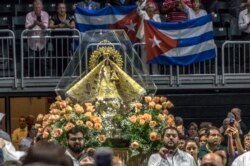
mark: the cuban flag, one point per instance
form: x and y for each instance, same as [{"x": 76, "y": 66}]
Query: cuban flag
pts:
[
  {"x": 180, "y": 43},
  {"x": 111, "y": 17}
]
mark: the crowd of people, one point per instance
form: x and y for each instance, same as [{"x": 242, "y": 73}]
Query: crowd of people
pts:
[{"x": 192, "y": 145}]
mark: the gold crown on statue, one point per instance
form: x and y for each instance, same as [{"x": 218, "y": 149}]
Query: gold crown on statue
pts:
[{"x": 105, "y": 52}]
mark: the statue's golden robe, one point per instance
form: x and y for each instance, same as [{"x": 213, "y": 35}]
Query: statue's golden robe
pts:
[{"x": 106, "y": 81}]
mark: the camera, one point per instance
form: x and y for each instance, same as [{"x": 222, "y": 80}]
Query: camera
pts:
[{"x": 231, "y": 122}]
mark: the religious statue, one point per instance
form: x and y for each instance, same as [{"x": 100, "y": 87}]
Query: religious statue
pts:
[{"x": 107, "y": 85}]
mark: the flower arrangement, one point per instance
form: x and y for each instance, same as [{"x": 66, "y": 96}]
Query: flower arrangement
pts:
[
  {"x": 146, "y": 122},
  {"x": 64, "y": 115}
]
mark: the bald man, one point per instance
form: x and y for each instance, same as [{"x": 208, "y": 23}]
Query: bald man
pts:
[{"x": 211, "y": 159}]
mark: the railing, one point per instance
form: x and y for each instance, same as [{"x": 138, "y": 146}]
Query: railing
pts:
[
  {"x": 43, "y": 68},
  {"x": 8, "y": 75},
  {"x": 45, "y": 54}
]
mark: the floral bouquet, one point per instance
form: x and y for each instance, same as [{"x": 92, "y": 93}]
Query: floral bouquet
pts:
[
  {"x": 146, "y": 122},
  {"x": 64, "y": 115}
]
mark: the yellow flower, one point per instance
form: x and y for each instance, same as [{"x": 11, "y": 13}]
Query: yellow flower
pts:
[
  {"x": 132, "y": 119},
  {"x": 139, "y": 117},
  {"x": 68, "y": 117},
  {"x": 141, "y": 122},
  {"x": 98, "y": 126},
  {"x": 169, "y": 104},
  {"x": 134, "y": 145},
  {"x": 57, "y": 132},
  {"x": 148, "y": 99},
  {"x": 153, "y": 136},
  {"x": 69, "y": 126},
  {"x": 152, "y": 124},
  {"x": 89, "y": 124},
  {"x": 102, "y": 138},
  {"x": 158, "y": 107},
  {"x": 88, "y": 104},
  {"x": 69, "y": 109},
  {"x": 79, "y": 122},
  {"x": 62, "y": 104},
  {"x": 156, "y": 99},
  {"x": 97, "y": 119},
  {"x": 55, "y": 111},
  {"x": 88, "y": 114},
  {"x": 138, "y": 106},
  {"x": 151, "y": 105},
  {"x": 161, "y": 117}
]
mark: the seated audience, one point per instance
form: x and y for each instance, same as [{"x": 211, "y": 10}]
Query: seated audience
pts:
[
  {"x": 195, "y": 11},
  {"x": 19, "y": 133},
  {"x": 211, "y": 159}
]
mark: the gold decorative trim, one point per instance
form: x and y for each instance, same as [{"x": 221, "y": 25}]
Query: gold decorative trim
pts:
[{"x": 103, "y": 52}]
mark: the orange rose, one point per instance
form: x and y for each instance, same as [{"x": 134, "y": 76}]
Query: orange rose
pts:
[
  {"x": 153, "y": 136},
  {"x": 165, "y": 111},
  {"x": 139, "y": 117},
  {"x": 90, "y": 108},
  {"x": 134, "y": 145},
  {"x": 98, "y": 126},
  {"x": 141, "y": 122},
  {"x": 58, "y": 98},
  {"x": 163, "y": 99},
  {"x": 151, "y": 105},
  {"x": 79, "y": 122},
  {"x": 169, "y": 104},
  {"x": 39, "y": 118},
  {"x": 89, "y": 124},
  {"x": 62, "y": 104},
  {"x": 161, "y": 117},
  {"x": 138, "y": 106},
  {"x": 147, "y": 117},
  {"x": 45, "y": 134},
  {"x": 55, "y": 111},
  {"x": 68, "y": 117},
  {"x": 102, "y": 138},
  {"x": 78, "y": 109},
  {"x": 158, "y": 107},
  {"x": 156, "y": 99},
  {"x": 164, "y": 105},
  {"x": 97, "y": 119},
  {"x": 57, "y": 132},
  {"x": 69, "y": 126},
  {"x": 152, "y": 124},
  {"x": 132, "y": 119},
  {"x": 148, "y": 99}
]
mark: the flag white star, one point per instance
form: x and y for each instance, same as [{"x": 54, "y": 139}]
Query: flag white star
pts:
[
  {"x": 155, "y": 42},
  {"x": 131, "y": 26}
]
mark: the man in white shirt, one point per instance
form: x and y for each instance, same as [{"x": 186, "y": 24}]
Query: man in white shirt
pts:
[
  {"x": 242, "y": 160},
  {"x": 170, "y": 154},
  {"x": 244, "y": 20}
]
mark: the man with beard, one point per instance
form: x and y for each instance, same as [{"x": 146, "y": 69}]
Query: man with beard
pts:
[
  {"x": 213, "y": 142},
  {"x": 170, "y": 154},
  {"x": 75, "y": 141}
]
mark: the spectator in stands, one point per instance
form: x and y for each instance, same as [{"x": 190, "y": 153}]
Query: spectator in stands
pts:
[
  {"x": 119, "y": 2},
  {"x": 89, "y": 4},
  {"x": 195, "y": 11},
  {"x": 192, "y": 148},
  {"x": 222, "y": 152},
  {"x": 174, "y": 11},
  {"x": 47, "y": 153},
  {"x": 4, "y": 135},
  {"x": 211, "y": 159},
  {"x": 237, "y": 112},
  {"x": 213, "y": 141},
  {"x": 202, "y": 139},
  {"x": 61, "y": 47},
  {"x": 9, "y": 151},
  {"x": 242, "y": 160},
  {"x": 244, "y": 22},
  {"x": 170, "y": 154},
  {"x": 247, "y": 142},
  {"x": 180, "y": 126},
  {"x": 142, "y": 4},
  {"x": 75, "y": 141},
  {"x": 181, "y": 144},
  {"x": 30, "y": 120},
  {"x": 37, "y": 20},
  {"x": 29, "y": 140},
  {"x": 20, "y": 133},
  {"x": 147, "y": 14},
  {"x": 192, "y": 131}
]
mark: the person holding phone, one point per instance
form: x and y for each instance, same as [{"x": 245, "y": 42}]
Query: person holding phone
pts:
[{"x": 36, "y": 20}]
